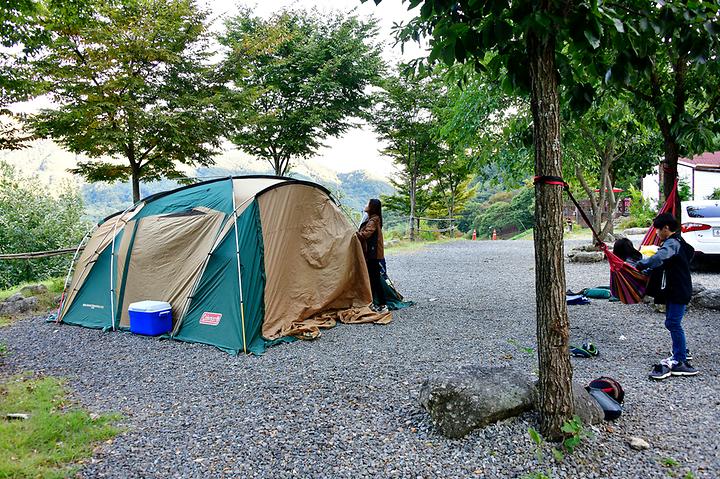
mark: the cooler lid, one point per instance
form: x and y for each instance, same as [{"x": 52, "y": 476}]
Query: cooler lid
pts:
[{"x": 149, "y": 306}]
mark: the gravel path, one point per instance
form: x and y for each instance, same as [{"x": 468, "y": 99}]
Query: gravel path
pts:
[{"x": 346, "y": 404}]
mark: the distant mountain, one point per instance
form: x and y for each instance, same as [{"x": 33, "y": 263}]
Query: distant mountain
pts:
[{"x": 50, "y": 163}]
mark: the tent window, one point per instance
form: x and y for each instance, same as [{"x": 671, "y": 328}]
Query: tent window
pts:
[{"x": 179, "y": 214}]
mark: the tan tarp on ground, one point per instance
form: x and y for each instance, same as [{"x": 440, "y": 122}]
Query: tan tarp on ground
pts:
[
  {"x": 313, "y": 262},
  {"x": 167, "y": 256},
  {"x": 100, "y": 239}
]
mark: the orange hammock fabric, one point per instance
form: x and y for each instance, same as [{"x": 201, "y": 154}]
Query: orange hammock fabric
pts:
[
  {"x": 651, "y": 236},
  {"x": 626, "y": 282}
]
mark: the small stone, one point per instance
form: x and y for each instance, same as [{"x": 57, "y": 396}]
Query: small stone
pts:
[{"x": 638, "y": 444}]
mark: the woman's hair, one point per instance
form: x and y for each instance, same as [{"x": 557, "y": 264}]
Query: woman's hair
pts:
[
  {"x": 625, "y": 250},
  {"x": 375, "y": 208}
]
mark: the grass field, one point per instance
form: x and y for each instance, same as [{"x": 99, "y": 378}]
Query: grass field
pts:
[{"x": 57, "y": 435}]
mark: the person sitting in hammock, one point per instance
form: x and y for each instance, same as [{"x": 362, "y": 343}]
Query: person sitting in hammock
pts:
[{"x": 625, "y": 250}]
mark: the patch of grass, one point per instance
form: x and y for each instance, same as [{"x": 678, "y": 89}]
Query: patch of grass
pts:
[
  {"x": 45, "y": 301},
  {"x": 54, "y": 286},
  {"x": 525, "y": 235},
  {"x": 57, "y": 435},
  {"x": 670, "y": 462},
  {"x": 576, "y": 234},
  {"x": 407, "y": 246},
  {"x": 3, "y": 350}
]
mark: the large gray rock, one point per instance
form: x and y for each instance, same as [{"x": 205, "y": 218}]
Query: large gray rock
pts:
[
  {"x": 698, "y": 288},
  {"x": 475, "y": 396},
  {"x": 708, "y": 298},
  {"x": 17, "y": 304},
  {"x": 586, "y": 256},
  {"x": 635, "y": 231},
  {"x": 586, "y": 407},
  {"x": 586, "y": 248},
  {"x": 15, "y": 297},
  {"x": 34, "y": 289}
]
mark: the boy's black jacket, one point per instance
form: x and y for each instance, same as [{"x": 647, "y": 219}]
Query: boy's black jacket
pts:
[{"x": 677, "y": 285}]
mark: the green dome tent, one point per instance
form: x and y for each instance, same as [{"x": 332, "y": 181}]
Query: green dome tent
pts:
[{"x": 243, "y": 261}]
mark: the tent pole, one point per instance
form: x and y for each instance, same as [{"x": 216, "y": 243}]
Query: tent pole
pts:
[
  {"x": 112, "y": 264},
  {"x": 70, "y": 270},
  {"x": 237, "y": 255}
]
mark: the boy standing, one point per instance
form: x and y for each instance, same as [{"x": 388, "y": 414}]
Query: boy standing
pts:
[{"x": 672, "y": 269}]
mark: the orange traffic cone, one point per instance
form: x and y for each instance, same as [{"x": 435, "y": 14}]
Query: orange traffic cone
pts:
[
  {"x": 474, "y": 235},
  {"x": 494, "y": 234}
]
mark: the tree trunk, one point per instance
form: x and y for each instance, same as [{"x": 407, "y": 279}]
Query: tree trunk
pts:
[
  {"x": 413, "y": 188},
  {"x": 136, "y": 184},
  {"x": 134, "y": 172},
  {"x": 555, "y": 401}
]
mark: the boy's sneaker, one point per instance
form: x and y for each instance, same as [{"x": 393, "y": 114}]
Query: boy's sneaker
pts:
[
  {"x": 688, "y": 356},
  {"x": 683, "y": 369},
  {"x": 660, "y": 371},
  {"x": 669, "y": 362}
]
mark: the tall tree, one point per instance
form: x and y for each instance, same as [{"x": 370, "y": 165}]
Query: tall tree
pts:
[
  {"x": 667, "y": 56},
  {"x": 307, "y": 75},
  {"x": 530, "y": 42},
  {"x": 21, "y": 36},
  {"x": 403, "y": 118},
  {"x": 601, "y": 145},
  {"x": 451, "y": 178},
  {"x": 131, "y": 81}
]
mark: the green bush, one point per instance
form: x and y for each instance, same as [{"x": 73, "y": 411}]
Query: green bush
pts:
[
  {"x": 33, "y": 219},
  {"x": 715, "y": 194},
  {"x": 518, "y": 211},
  {"x": 641, "y": 213}
]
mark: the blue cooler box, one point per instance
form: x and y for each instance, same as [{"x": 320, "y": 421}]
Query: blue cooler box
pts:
[{"x": 150, "y": 317}]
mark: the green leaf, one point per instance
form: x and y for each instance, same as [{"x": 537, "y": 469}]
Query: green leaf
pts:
[
  {"x": 592, "y": 39},
  {"x": 535, "y": 436},
  {"x": 558, "y": 455},
  {"x": 619, "y": 25}
]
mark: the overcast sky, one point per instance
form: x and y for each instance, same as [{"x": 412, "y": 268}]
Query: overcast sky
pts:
[{"x": 358, "y": 149}]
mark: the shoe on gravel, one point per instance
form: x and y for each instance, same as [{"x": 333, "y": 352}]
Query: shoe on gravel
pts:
[
  {"x": 669, "y": 362},
  {"x": 382, "y": 309},
  {"x": 688, "y": 356},
  {"x": 660, "y": 371},
  {"x": 683, "y": 369}
]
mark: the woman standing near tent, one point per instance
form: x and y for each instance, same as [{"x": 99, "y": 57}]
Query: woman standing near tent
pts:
[{"x": 371, "y": 237}]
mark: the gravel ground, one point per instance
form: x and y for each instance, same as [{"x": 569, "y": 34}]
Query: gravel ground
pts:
[{"x": 346, "y": 404}]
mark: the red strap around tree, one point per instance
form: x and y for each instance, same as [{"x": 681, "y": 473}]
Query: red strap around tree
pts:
[{"x": 557, "y": 181}]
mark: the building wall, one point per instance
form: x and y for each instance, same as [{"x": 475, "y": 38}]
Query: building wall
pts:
[
  {"x": 705, "y": 183},
  {"x": 701, "y": 185}
]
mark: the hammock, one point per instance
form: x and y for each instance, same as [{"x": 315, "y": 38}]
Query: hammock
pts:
[
  {"x": 626, "y": 282},
  {"x": 651, "y": 237}
]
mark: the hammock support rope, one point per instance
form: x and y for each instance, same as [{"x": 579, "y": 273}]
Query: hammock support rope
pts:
[{"x": 626, "y": 282}]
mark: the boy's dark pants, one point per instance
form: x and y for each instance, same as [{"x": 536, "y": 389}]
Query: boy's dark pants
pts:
[{"x": 673, "y": 322}]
